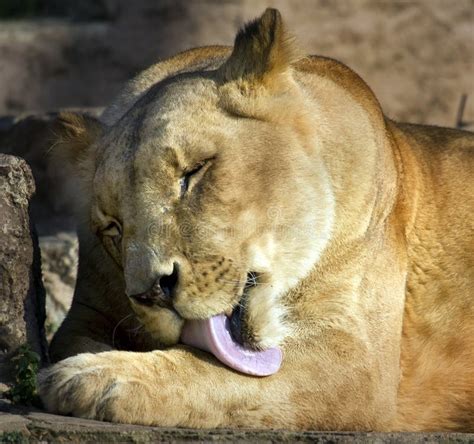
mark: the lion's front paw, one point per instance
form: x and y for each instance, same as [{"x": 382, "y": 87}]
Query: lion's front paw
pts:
[{"x": 108, "y": 386}]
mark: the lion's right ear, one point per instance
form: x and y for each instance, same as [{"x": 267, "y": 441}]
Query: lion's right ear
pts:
[
  {"x": 74, "y": 136},
  {"x": 262, "y": 50}
]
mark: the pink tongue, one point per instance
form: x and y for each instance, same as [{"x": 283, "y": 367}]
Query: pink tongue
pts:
[{"x": 213, "y": 335}]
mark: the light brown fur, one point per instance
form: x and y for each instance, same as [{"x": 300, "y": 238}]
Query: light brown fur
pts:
[{"x": 360, "y": 230}]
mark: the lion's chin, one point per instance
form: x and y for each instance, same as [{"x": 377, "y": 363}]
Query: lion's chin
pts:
[{"x": 163, "y": 325}]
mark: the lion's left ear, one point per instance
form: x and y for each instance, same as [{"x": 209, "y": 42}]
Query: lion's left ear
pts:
[
  {"x": 262, "y": 50},
  {"x": 73, "y": 142}
]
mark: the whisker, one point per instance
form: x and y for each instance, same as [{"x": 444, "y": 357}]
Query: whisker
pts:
[
  {"x": 117, "y": 325},
  {"x": 247, "y": 284},
  {"x": 135, "y": 331},
  {"x": 138, "y": 328}
]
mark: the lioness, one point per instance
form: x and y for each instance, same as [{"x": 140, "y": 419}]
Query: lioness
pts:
[{"x": 269, "y": 187}]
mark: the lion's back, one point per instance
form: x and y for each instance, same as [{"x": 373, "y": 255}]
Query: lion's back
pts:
[{"x": 438, "y": 330}]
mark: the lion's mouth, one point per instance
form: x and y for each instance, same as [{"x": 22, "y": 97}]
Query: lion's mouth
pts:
[
  {"x": 238, "y": 326},
  {"x": 224, "y": 336}
]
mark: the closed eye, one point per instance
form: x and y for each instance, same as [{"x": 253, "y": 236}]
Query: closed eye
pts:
[
  {"x": 113, "y": 231},
  {"x": 192, "y": 176}
]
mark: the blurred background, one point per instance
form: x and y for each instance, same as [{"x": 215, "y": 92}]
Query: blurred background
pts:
[{"x": 417, "y": 56}]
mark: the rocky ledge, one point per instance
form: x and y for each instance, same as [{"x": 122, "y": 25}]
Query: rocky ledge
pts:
[{"x": 23, "y": 425}]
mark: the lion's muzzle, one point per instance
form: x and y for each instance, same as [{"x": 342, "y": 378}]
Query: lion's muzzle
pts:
[{"x": 161, "y": 293}]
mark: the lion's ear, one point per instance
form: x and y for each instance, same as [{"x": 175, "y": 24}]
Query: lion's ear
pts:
[
  {"x": 74, "y": 136},
  {"x": 262, "y": 50}
]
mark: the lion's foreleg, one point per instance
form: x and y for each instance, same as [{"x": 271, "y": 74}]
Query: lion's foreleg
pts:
[{"x": 185, "y": 387}]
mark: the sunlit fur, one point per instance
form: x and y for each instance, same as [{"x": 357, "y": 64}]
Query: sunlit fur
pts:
[{"x": 358, "y": 230}]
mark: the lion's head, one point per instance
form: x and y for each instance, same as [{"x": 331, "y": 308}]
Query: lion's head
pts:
[{"x": 209, "y": 193}]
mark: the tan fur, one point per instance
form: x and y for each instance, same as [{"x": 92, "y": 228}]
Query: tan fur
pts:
[{"x": 359, "y": 229}]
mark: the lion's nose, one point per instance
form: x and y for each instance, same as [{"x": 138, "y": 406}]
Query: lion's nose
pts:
[
  {"x": 167, "y": 283},
  {"x": 161, "y": 292}
]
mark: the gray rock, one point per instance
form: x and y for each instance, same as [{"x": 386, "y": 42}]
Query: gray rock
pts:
[
  {"x": 59, "y": 257},
  {"x": 22, "y": 295}
]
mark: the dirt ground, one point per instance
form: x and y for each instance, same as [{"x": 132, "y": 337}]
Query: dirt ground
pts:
[{"x": 418, "y": 55}]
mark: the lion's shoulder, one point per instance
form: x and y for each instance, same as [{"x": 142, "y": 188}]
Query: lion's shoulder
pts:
[{"x": 345, "y": 78}]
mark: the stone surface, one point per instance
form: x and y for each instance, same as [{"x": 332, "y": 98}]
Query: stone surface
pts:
[
  {"x": 59, "y": 257},
  {"x": 34, "y": 425},
  {"x": 21, "y": 290}
]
